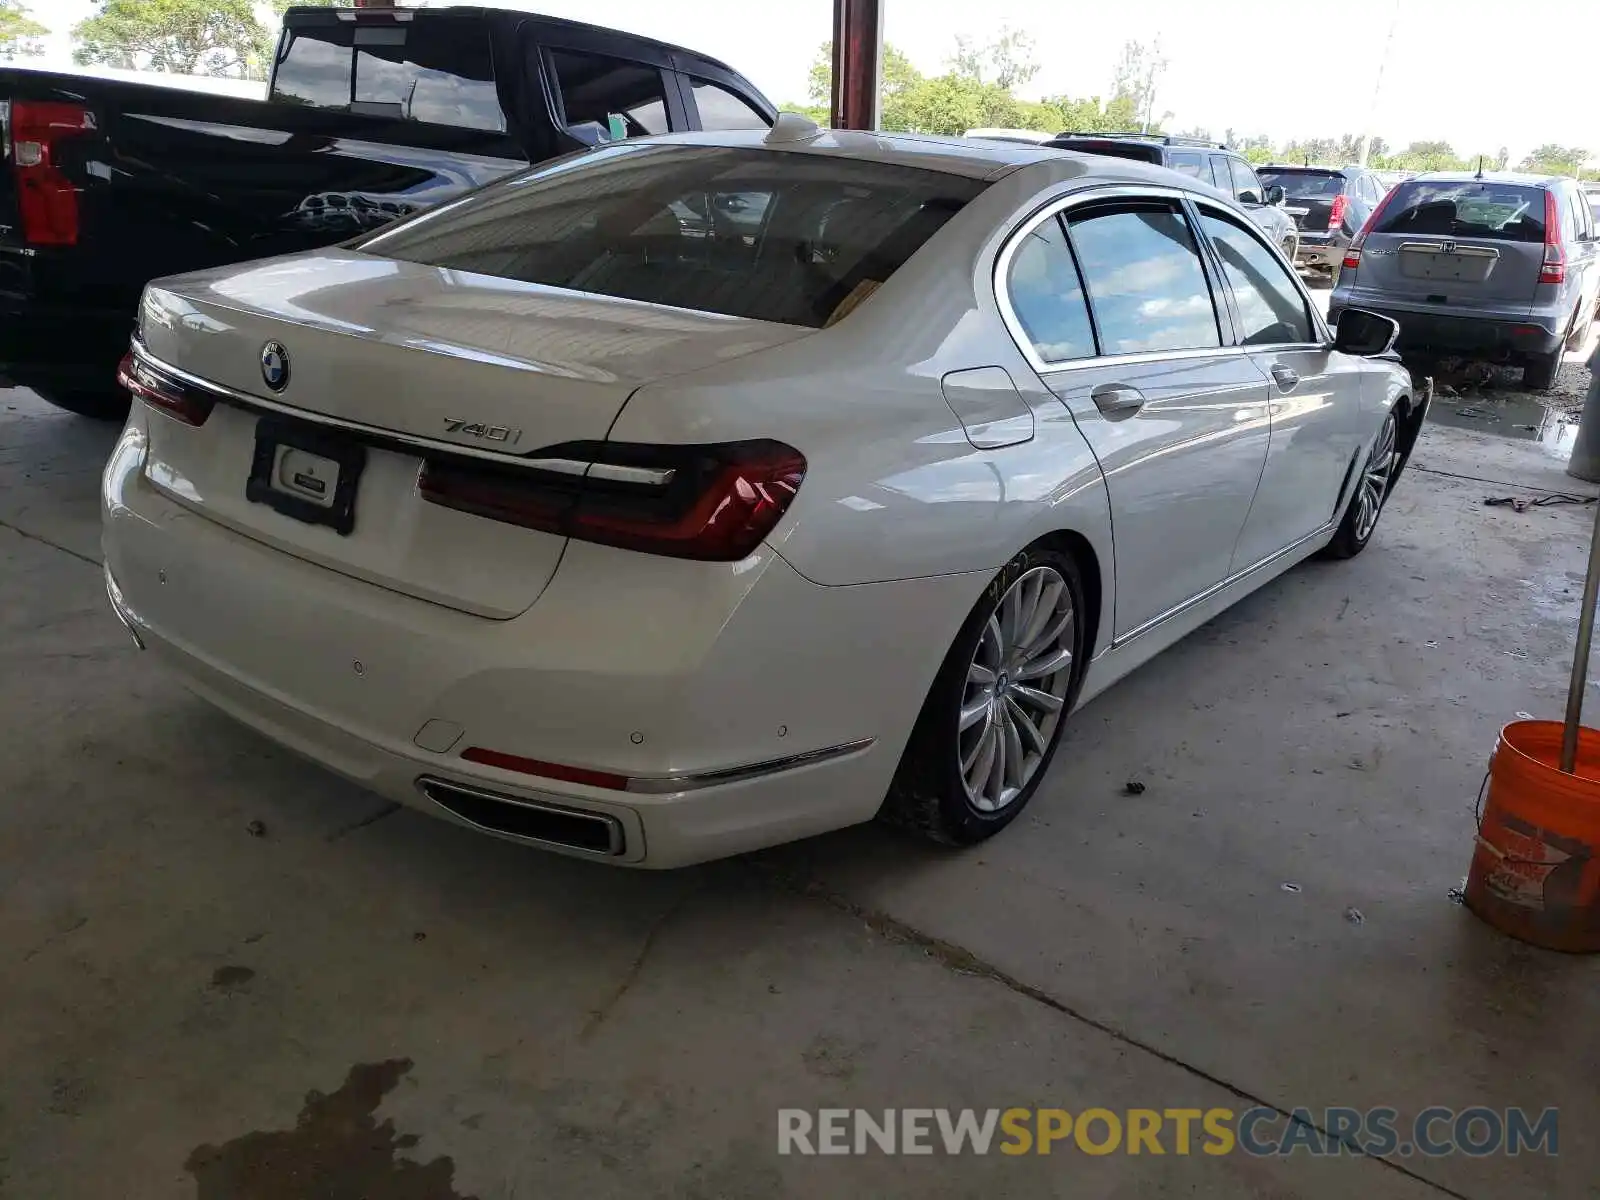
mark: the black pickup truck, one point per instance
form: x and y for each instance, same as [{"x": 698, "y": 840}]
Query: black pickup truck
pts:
[{"x": 372, "y": 114}]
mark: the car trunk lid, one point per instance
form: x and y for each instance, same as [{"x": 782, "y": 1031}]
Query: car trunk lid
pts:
[{"x": 382, "y": 365}]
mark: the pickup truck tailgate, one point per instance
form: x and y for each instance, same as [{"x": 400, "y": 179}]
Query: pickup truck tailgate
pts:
[{"x": 346, "y": 372}]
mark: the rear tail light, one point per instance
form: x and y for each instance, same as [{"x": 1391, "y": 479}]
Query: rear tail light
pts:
[
  {"x": 47, "y": 201},
  {"x": 1341, "y": 202},
  {"x": 714, "y": 503},
  {"x": 1352, "y": 256},
  {"x": 171, "y": 396},
  {"x": 1554, "y": 269}
]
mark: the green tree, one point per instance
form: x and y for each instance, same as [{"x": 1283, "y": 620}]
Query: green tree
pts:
[
  {"x": 1424, "y": 156},
  {"x": 1551, "y": 159},
  {"x": 186, "y": 37},
  {"x": 19, "y": 32}
]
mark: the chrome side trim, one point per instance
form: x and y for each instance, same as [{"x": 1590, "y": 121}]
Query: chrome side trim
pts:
[
  {"x": 260, "y": 404},
  {"x": 120, "y": 607},
  {"x": 615, "y": 473},
  {"x": 428, "y": 785},
  {"x": 1201, "y": 597},
  {"x": 656, "y": 785}
]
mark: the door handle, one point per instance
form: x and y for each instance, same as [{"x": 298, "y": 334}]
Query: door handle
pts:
[
  {"x": 1117, "y": 399},
  {"x": 1285, "y": 376}
]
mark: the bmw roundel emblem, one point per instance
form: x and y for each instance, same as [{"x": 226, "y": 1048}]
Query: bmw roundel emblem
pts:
[{"x": 275, "y": 366}]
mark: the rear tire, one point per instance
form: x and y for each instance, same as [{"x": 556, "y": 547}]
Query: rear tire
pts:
[
  {"x": 1539, "y": 373},
  {"x": 1373, "y": 485},
  {"x": 109, "y": 405},
  {"x": 993, "y": 717}
]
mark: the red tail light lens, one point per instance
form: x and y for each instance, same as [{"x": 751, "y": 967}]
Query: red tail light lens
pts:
[
  {"x": 47, "y": 201},
  {"x": 713, "y": 503},
  {"x": 1352, "y": 256},
  {"x": 1554, "y": 269},
  {"x": 171, "y": 396},
  {"x": 1336, "y": 213}
]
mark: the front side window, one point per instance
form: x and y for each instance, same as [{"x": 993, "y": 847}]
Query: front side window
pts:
[
  {"x": 1146, "y": 286},
  {"x": 774, "y": 236},
  {"x": 1047, "y": 297},
  {"x": 721, "y": 109},
  {"x": 440, "y": 72},
  {"x": 607, "y": 99},
  {"x": 1271, "y": 310},
  {"x": 1246, "y": 187},
  {"x": 1474, "y": 208}
]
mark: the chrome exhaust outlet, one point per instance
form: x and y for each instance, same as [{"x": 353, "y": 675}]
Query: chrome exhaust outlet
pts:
[
  {"x": 531, "y": 821},
  {"x": 120, "y": 607}
]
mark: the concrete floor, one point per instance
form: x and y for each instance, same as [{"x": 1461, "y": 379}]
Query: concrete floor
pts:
[{"x": 399, "y": 1010}]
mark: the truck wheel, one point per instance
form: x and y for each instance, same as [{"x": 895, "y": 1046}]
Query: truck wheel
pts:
[
  {"x": 108, "y": 405},
  {"x": 1539, "y": 373}
]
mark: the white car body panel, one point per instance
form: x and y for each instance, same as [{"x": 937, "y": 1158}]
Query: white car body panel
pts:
[{"x": 385, "y": 653}]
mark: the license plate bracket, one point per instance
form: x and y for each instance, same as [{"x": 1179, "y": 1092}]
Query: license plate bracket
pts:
[{"x": 306, "y": 473}]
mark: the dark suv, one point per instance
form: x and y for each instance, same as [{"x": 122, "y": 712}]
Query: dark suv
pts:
[
  {"x": 1211, "y": 163},
  {"x": 1329, "y": 205}
]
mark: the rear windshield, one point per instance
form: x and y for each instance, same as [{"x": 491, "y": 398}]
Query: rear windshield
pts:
[
  {"x": 1480, "y": 209},
  {"x": 440, "y": 71},
  {"x": 1304, "y": 185},
  {"x": 776, "y": 236},
  {"x": 1134, "y": 150}
]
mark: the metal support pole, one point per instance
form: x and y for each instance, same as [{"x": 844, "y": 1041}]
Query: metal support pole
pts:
[
  {"x": 1580, "y": 660},
  {"x": 857, "y": 62},
  {"x": 1585, "y": 460}
]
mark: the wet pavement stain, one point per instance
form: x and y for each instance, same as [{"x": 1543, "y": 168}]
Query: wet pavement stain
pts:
[{"x": 336, "y": 1151}]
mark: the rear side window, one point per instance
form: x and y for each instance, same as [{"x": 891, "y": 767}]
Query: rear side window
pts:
[
  {"x": 795, "y": 238},
  {"x": 1272, "y": 312},
  {"x": 439, "y": 71},
  {"x": 1146, "y": 285},
  {"x": 1475, "y": 208},
  {"x": 606, "y": 99},
  {"x": 1219, "y": 173},
  {"x": 1189, "y": 163},
  {"x": 1047, "y": 296},
  {"x": 721, "y": 109},
  {"x": 1246, "y": 187}
]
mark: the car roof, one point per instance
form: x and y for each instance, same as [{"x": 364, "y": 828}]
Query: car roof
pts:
[
  {"x": 974, "y": 158},
  {"x": 1516, "y": 177},
  {"x": 1309, "y": 167}
]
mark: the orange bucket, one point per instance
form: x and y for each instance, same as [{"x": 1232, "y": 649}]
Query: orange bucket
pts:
[{"x": 1536, "y": 867}]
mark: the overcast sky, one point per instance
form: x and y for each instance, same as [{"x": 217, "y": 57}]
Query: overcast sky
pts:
[{"x": 1479, "y": 74}]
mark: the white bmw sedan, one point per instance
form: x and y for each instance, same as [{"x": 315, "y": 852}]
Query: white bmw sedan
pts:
[{"x": 694, "y": 494}]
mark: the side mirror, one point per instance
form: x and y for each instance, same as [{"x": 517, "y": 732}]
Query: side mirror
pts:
[
  {"x": 1365, "y": 334},
  {"x": 1276, "y": 195}
]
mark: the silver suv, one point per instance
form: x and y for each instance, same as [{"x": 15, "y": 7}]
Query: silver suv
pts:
[{"x": 1499, "y": 265}]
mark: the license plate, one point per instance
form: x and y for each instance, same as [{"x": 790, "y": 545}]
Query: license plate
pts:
[{"x": 306, "y": 473}]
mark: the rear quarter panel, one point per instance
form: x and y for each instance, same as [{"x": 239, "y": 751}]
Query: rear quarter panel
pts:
[{"x": 893, "y": 488}]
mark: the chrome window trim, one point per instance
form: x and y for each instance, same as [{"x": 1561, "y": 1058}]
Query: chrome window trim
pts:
[{"x": 1059, "y": 204}]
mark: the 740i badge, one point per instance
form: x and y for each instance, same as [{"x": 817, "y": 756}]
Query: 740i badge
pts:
[{"x": 477, "y": 429}]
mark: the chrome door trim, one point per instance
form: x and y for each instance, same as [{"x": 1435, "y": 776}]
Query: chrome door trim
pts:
[
  {"x": 657, "y": 785},
  {"x": 1201, "y": 597}
]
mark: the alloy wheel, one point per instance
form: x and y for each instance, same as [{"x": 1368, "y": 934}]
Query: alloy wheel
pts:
[
  {"x": 1016, "y": 689},
  {"x": 1375, "y": 480}
]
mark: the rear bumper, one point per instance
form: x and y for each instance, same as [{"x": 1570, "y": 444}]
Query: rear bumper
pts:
[
  {"x": 1530, "y": 335},
  {"x": 1321, "y": 250},
  {"x": 743, "y": 716}
]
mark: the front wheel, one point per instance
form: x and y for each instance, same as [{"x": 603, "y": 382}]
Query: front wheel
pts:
[
  {"x": 992, "y": 719},
  {"x": 1373, "y": 486}
]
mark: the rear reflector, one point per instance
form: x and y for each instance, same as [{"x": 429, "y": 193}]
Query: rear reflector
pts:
[
  {"x": 715, "y": 503},
  {"x": 47, "y": 201},
  {"x": 1554, "y": 269},
  {"x": 171, "y": 396},
  {"x": 545, "y": 770}
]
